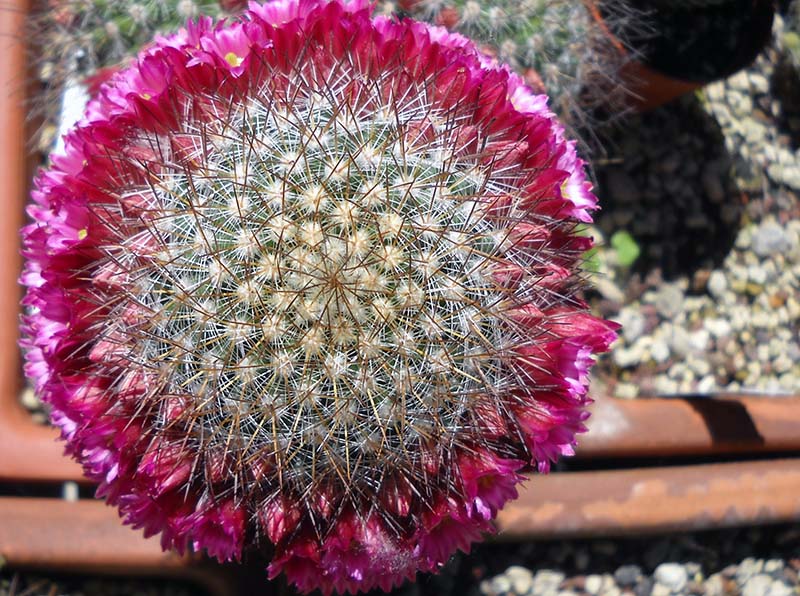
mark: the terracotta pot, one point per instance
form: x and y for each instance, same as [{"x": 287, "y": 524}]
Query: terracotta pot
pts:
[
  {"x": 636, "y": 501},
  {"x": 86, "y": 537},
  {"x": 665, "y": 67}
]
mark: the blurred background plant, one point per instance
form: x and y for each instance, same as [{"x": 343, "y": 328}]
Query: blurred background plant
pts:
[
  {"x": 556, "y": 45},
  {"x": 76, "y": 40},
  {"x": 791, "y": 37}
]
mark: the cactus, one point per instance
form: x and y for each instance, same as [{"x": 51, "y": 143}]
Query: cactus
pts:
[
  {"x": 312, "y": 279},
  {"x": 77, "y": 40},
  {"x": 556, "y": 44},
  {"x": 99, "y": 33}
]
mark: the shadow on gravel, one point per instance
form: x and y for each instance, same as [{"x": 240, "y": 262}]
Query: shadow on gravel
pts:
[{"x": 667, "y": 181}]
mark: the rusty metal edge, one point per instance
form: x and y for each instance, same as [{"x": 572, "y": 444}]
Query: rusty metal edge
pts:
[
  {"x": 66, "y": 535},
  {"x": 700, "y": 425},
  {"x": 87, "y": 537},
  {"x": 653, "y": 500}
]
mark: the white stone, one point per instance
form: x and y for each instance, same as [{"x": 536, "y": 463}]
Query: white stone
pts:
[
  {"x": 770, "y": 238},
  {"x": 715, "y": 93},
  {"x": 69, "y": 491},
  {"x": 759, "y": 83},
  {"x": 660, "y": 590},
  {"x": 758, "y": 585},
  {"x": 663, "y": 385},
  {"x": 778, "y": 588},
  {"x": 609, "y": 290},
  {"x": 739, "y": 81},
  {"x": 698, "y": 365},
  {"x": 757, "y": 275},
  {"x": 29, "y": 399},
  {"x": 754, "y": 132},
  {"x": 627, "y": 357},
  {"x": 747, "y": 568},
  {"x": 671, "y": 575},
  {"x": 659, "y": 351},
  {"x": 679, "y": 341},
  {"x": 669, "y": 300},
  {"x": 633, "y": 324},
  {"x": 499, "y": 585},
  {"x": 546, "y": 580},
  {"x": 707, "y": 384},
  {"x": 719, "y": 328},
  {"x": 714, "y": 586},
  {"x": 593, "y": 584},
  {"x": 698, "y": 340},
  {"x": 626, "y": 391},
  {"x": 521, "y": 579},
  {"x": 744, "y": 238},
  {"x": 772, "y": 566},
  {"x": 717, "y": 284}
]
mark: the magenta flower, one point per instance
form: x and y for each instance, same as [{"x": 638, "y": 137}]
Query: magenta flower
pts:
[{"x": 310, "y": 279}]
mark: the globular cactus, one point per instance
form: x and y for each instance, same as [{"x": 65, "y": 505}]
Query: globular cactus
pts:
[
  {"x": 75, "y": 40},
  {"x": 556, "y": 45},
  {"x": 312, "y": 279},
  {"x": 99, "y": 33}
]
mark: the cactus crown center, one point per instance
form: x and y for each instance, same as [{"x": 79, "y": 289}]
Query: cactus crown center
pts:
[{"x": 318, "y": 276}]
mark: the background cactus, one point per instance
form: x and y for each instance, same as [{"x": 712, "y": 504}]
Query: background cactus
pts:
[
  {"x": 555, "y": 44},
  {"x": 104, "y": 32},
  {"x": 74, "y": 39}
]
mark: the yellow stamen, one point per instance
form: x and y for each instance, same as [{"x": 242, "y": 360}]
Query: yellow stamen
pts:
[{"x": 233, "y": 59}]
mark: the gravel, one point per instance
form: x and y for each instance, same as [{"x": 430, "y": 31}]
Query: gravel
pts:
[
  {"x": 710, "y": 190},
  {"x": 672, "y": 576},
  {"x": 733, "y": 562},
  {"x": 723, "y": 562}
]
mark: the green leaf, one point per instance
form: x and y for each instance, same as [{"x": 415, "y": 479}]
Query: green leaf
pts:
[
  {"x": 791, "y": 40},
  {"x": 626, "y": 247}
]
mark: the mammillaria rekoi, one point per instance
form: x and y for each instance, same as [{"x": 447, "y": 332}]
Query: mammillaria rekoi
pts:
[{"x": 310, "y": 278}]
